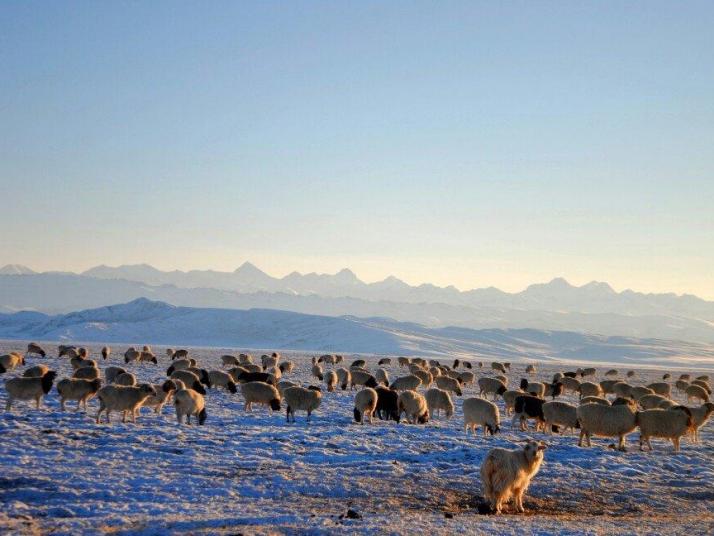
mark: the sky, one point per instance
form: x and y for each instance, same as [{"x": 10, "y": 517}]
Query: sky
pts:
[{"x": 466, "y": 143}]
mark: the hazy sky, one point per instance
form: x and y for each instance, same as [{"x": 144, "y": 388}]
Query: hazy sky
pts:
[{"x": 468, "y": 143}]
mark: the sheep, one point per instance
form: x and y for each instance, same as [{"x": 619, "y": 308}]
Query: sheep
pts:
[
  {"x": 456, "y": 364},
  {"x": 66, "y": 350},
  {"x": 111, "y": 373},
  {"x": 301, "y": 398},
  {"x": 86, "y": 373},
  {"x": 498, "y": 367},
  {"x": 696, "y": 392},
  {"x": 508, "y": 473},
  {"x": 703, "y": 378},
  {"x": 235, "y": 372},
  {"x": 316, "y": 370},
  {"x": 124, "y": 398},
  {"x": 83, "y": 352},
  {"x": 330, "y": 378},
  {"x": 268, "y": 361},
  {"x": 106, "y": 351},
  {"x": 275, "y": 371},
  {"x": 403, "y": 361},
  {"x": 681, "y": 385},
  {"x": 202, "y": 375},
  {"x": 700, "y": 415},
  {"x": 670, "y": 424},
  {"x": 29, "y": 388},
  {"x": 284, "y": 385},
  {"x": 77, "y": 389},
  {"x": 257, "y": 392},
  {"x": 245, "y": 359},
  {"x": 468, "y": 365},
  {"x": 530, "y": 369},
  {"x": 528, "y": 407},
  {"x": 449, "y": 384},
  {"x": 502, "y": 379},
  {"x": 180, "y": 364},
  {"x": 126, "y": 379},
  {"x": 188, "y": 402},
  {"x": 590, "y": 389},
  {"x": 666, "y": 404},
  {"x": 147, "y": 357},
  {"x": 359, "y": 377},
  {"x": 384, "y": 361},
  {"x": 365, "y": 405},
  {"x": 328, "y": 359},
  {"x": 466, "y": 378},
  {"x": 132, "y": 354},
  {"x": 560, "y": 414},
  {"x": 34, "y": 348},
  {"x": 163, "y": 395},
  {"x": 638, "y": 392},
  {"x": 190, "y": 379},
  {"x": 491, "y": 385},
  {"x": 419, "y": 361},
  {"x": 229, "y": 361},
  {"x": 382, "y": 376},
  {"x": 413, "y": 405},
  {"x": 594, "y": 400},
  {"x": 661, "y": 388},
  {"x": 608, "y": 421},
  {"x": 558, "y": 376},
  {"x": 591, "y": 371},
  {"x": 344, "y": 378},
  {"x": 80, "y": 362},
  {"x": 666, "y": 376},
  {"x": 36, "y": 372},
  {"x": 453, "y": 374},
  {"x": 534, "y": 388},
  {"x": 358, "y": 363},
  {"x": 685, "y": 377},
  {"x": 434, "y": 371},
  {"x": 426, "y": 378},
  {"x": 218, "y": 378},
  {"x": 180, "y": 354},
  {"x": 170, "y": 353},
  {"x": 10, "y": 362},
  {"x": 611, "y": 372},
  {"x": 480, "y": 412},
  {"x": 571, "y": 385},
  {"x": 286, "y": 367},
  {"x": 607, "y": 386},
  {"x": 651, "y": 401},
  {"x": 631, "y": 374},
  {"x": 387, "y": 403},
  {"x": 622, "y": 390},
  {"x": 437, "y": 400},
  {"x": 405, "y": 383},
  {"x": 702, "y": 383},
  {"x": 509, "y": 400}
]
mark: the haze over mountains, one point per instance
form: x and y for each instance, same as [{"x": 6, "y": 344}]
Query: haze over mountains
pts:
[{"x": 557, "y": 305}]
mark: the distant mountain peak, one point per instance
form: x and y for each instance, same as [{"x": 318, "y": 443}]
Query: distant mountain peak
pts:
[
  {"x": 248, "y": 267},
  {"x": 16, "y": 269},
  {"x": 346, "y": 275}
]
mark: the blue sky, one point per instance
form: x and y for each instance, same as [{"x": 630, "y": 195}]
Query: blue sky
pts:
[{"x": 455, "y": 142}]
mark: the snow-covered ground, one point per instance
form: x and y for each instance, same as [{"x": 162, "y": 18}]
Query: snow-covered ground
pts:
[{"x": 253, "y": 473}]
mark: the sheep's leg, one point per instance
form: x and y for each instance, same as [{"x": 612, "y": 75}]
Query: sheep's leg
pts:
[
  {"x": 675, "y": 442},
  {"x": 37, "y": 401},
  {"x": 79, "y": 405},
  {"x": 518, "y": 500},
  {"x": 109, "y": 413},
  {"x": 310, "y": 413},
  {"x": 178, "y": 417},
  {"x": 8, "y": 404},
  {"x": 62, "y": 404}
]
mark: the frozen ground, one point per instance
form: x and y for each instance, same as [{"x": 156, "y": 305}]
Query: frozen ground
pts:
[{"x": 252, "y": 473}]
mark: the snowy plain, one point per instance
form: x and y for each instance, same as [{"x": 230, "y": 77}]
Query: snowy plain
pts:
[{"x": 253, "y": 473}]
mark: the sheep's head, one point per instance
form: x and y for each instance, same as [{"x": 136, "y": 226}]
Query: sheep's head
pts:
[
  {"x": 232, "y": 387},
  {"x": 371, "y": 382},
  {"x": 275, "y": 404},
  {"x": 170, "y": 370},
  {"x": 147, "y": 389},
  {"x": 198, "y": 388},
  {"x": 493, "y": 430},
  {"x": 524, "y": 384},
  {"x": 502, "y": 389},
  {"x": 534, "y": 451}
]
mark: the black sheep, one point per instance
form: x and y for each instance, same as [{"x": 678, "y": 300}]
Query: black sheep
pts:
[{"x": 387, "y": 407}]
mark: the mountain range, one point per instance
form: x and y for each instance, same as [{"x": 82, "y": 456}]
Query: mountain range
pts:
[{"x": 556, "y": 305}]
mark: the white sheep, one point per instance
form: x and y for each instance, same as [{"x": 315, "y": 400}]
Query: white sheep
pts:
[
  {"x": 506, "y": 474},
  {"x": 124, "y": 398},
  {"x": 696, "y": 393},
  {"x": 229, "y": 360},
  {"x": 365, "y": 405},
  {"x": 126, "y": 379},
  {"x": 480, "y": 412},
  {"x": 651, "y": 401},
  {"x": 284, "y": 384},
  {"x": 301, "y": 399},
  {"x": 409, "y": 382},
  {"x": 700, "y": 415},
  {"x": 590, "y": 389},
  {"x": 330, "y": 378},
  {"x": 449, "y": 384},
  {"x": 607, "y": 421},
  {"x": 594, "y": 400},
  {"x": 530, "y": 369},
  {"x": 78, "y": 389},
  {"x": 111, "y": 373},
  {"x": 466, "y": 378},
  {"x": 86, "y": 373},
  {"x": 670, "y": 424},
  {"x": 661, "y": 388},
  {"x": 28, "y": 389},
  {"x": 498, "y": 367},
  {"x": 260, "y": 393},
  {"x": 438, "y": 400},
  {"x": 106, "y": 352},
  {"x": 570, "y": 385},
  {"x": 414, "y": 406},
  {"x": 622, "y": 390},
  {"x": 218, "y": 378},
  {"x": 163, "y": 395},
  {"x": 425, "y": 376},
  {"x": 316, "y": 370},
  {"x": 188, "y": 402},
  {"x": 509, "y": 400},
  {"x": 639, "y": 391},
  {"x": 492, "y": 386},
  {"x": 560, "y": 414},
  {"x": 344, "y": 378},
  {"x": 10, "y": 361},
  {"x": 36, "y": 349},
  {"x": 36, "y": 372},
  {"x": 286, "y": 367},
  {"x": 403, "y": 361}
]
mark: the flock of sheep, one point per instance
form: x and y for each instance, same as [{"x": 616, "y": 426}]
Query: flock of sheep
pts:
[{"x": 425, "y": 390}]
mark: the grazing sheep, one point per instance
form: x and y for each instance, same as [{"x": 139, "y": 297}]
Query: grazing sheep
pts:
[
  {"x": 558, "y": 377},
  {"x": 252, "y": 368},
  {"x": 468, "y": 365},
  {"x": 163, "y": 395},
  {"x": 202, "y": 375},
  {"x": 360, "y": 377},
  {"x": 403, "y": 361},
  {"x": 702, "y": 383},
  {"x": 10, "y": 362},
  {"x": 218, "y": 378},
  {"x": 188, "y": 402},
  {"x": 492, "y": 386},
  {"x": 685, "y": 377},
  {"x": 387, "y": 403},
  {"x": 631, "y": 373},
  {"x": 316, "y": 370},
  {"x": 132, "y": 354},
  {"x": 28, "y": 388},
  {"x": 533, "y": 388},
  {"x": 638, "y": 392},
  {"x": 235, "y": 372},
  {"x": 437, "y": 400},
  {"x": 419, "y": 361},
  {"x": 528, "y": 407},
  {"x": 284, "y": 385},
  {"x": 124, "y": 398},
  {"x": 696, "y": 393},
  {"x": 666, "y": 376},
  {"x": 77, "y": 389},
  {"x": 590, "y": 371},
  {"x": 700, "y": 415},
  {"x": 286, "y": 367},
  {"x": 666, "y": 404},
  {"x": 681, "y": 385},
  {"x": 570, "y": 385},
  {"x": 530, "y": 369},
  {"x": 229, "y": 360},
  {"x": 498, "y": 367},
  {"x": 506, "y": 474},
  {"x": 180, "y": 364},
  {"x": 147, "y": 357},
  {"x": 269, "y": 361},
  {"x": 384, "y": 361},
  {"x": 703, "y": 378},
  {"x": 466, "y": 378},
  {"x": 434, "y": 371},
  {"x": 449, "y": 384},
  {"x": 590, "y": 389},
  {"x": 409, "y": 382},
  {"x": 607, "y": 421},
  {"x": 651, "y": 401},
  {"x": 275, "y": 371},
  {"x": 328, "y": 359},
  {"x": 502, "y": 379},
  {"x": 111, "y": 373},
  {"x": 126, "y": 379},
  {"x": 257, "y": 392},
  {"x": 594, "y": 400},
  {"x": 413, "y": 405},
  {"x": 303, "y": 399},
  {"x": 66, "y": 350},
  {"x": 245, "y": 359},
  {"x": 34, "y": 348},
  {"x": 365, "y": 405},
  {"x": 344, "y": 378},
  {"x": 330, "y": 380},
  {"x": 608, "y": 386},
  {"x": 190, "y": 379},
  {"x": 106, "y": 351},
  {"x": 80, "y": 362},
  {"x": 426, "y": 377},
  {"x": 670, "y": 424},
  {"x": 36, "y": 372},
  {"x": 661, "y": 388},
  {"x": 480, "y": 412},
  {"x": 622, "y": 390},
  {"x": 86, "y": 373},
  {"x": 611, "y": 372},
  {"x": 454, "y": 374},
  {"x": 509, "y": 400},
  {"x": 560, "y": 414},
  {"x": 358, "y": 363},
  {"x": 382, "y": 376}
]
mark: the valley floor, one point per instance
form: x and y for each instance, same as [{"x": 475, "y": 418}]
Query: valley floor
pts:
[{"x": 252, "y": 473}]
